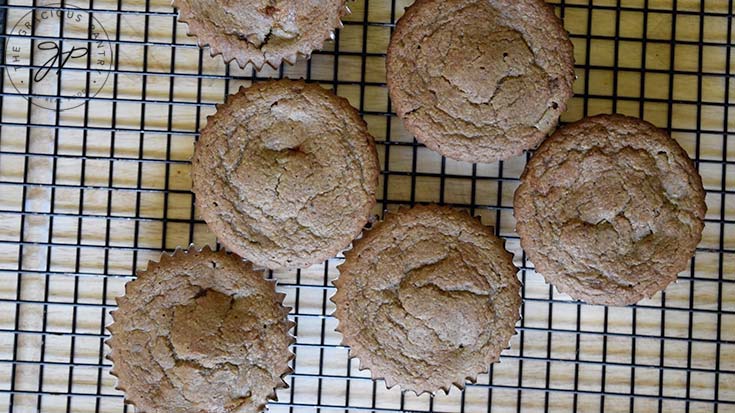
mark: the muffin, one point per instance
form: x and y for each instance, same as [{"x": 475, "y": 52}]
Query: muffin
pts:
[
  {"x": 200, "y": 331},
  {"x": 480, "y": 80},
  {"x": 262, "y": 31},
  {"x": 610, "y": 209},
  {"x": 285, "y": 174},
  {"x": 427, "y": 299}
]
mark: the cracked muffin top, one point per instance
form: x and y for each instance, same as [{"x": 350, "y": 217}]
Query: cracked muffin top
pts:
[
  {"x": 262, "y": 31},
  {"x": 200, "y": 331},
  {"x": 427, "y": 299},
  {"x": 480, "y": 80},
  {"x": 285, "y": 174},
  {"x": 610, "y": 209}
]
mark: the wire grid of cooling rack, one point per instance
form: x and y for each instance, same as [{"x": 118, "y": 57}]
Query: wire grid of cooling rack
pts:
[{"x": 94, "y": 183}]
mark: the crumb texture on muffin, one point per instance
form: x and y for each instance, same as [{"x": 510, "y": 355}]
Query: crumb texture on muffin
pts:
[
  {"x": 427, "y": 299},
  {"x": 480, "y": 80},
  {"x": 262, "y": 31},
  {"x": 285, "y": 174},
  {"x": 610, "y": 210},
  {"x": 200, "y": 331}
]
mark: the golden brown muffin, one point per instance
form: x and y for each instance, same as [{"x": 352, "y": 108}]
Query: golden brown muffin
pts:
[
  {"x": 200, "y": 331},
  {"x": 427, "y": 299},
  {"x": 610, "y": 209},
  {"x": 285, "y": 174},
  {"x": 480, "y": 80},
  {"x": 262, "y": 31}
]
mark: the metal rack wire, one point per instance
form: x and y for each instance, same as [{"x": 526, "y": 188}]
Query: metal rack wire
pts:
[{"x": 94, "y": 182}]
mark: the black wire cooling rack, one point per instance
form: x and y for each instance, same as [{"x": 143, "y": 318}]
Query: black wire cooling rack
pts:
[{"x": 94, "y": 183}]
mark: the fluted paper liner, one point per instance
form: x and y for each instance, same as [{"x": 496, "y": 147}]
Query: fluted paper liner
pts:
[{"x": 162, "y": 356}]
